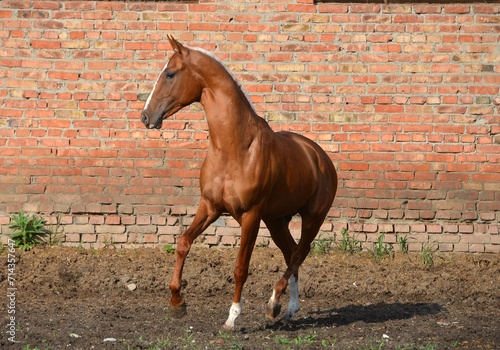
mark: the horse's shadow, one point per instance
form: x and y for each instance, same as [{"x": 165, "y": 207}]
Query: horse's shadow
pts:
[{"x": 376, "y": 313}]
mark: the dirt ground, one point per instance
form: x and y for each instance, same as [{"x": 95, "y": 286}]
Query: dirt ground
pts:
[{"x": 67, "y": 298}]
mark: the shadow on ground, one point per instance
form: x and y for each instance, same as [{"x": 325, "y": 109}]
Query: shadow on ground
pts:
[{"x": 376, "y": 313}]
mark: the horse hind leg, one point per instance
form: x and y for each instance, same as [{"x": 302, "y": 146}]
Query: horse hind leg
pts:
[
  {"x": 293, "y": 303},
  {"x": 282, "y": 237},
  {"x": 311, "y": 224}
]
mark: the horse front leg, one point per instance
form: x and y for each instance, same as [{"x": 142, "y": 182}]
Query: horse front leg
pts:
[
  {"x": 203, "y": 218},
  {"x": 249, "y": 230}
]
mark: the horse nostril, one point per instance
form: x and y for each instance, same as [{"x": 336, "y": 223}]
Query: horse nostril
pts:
[{"x": 144, "y": 119}]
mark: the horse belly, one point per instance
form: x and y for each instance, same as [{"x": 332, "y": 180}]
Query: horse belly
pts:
[{"x": 284, "y": 202}]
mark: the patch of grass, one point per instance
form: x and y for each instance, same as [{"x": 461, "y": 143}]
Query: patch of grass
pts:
[
  {"x": 189, "y": 339},
  {"x": 28, "y": 230},
  {"x": 42, "y": 347},
  {"x": 381, "y": 249},
  {"x": 416, "y": 347},
  {"x": 278, "y": 339},
  {"x": 302, "y": 340},
  {"x": 323, "y": 244},
  {"x": 305, "y": 340},
  {"x": 327, "y": 343},
  {"x": 108, "y": 244},
  {"x": 147, "y": 345},
  {"x": 169, "y": 248},
  {"x": 379, "y": 346},
  {"x": 52, "y": 234},
  {"x": 225, "y": 336},
  {"x": 230, "y": 341},
  {"x": 349, "y": 244},
  {"x": 264, "y": 243},
  {"x": 427, "y": 255},
  {"x": 403, "y": 244}
]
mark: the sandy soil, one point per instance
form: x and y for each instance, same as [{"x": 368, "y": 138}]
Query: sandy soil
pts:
[{"x": 67, "y": 298}]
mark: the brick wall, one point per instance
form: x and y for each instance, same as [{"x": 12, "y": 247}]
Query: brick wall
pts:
[{"x": 405, "y": 99}]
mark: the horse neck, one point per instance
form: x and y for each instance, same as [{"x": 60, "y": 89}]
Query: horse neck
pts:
[{"x": 232, "y": 122}]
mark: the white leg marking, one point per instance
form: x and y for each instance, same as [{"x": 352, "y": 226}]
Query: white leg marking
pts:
[
  {"x": 234, "y": 312},
  {"x": 293, "y": 304},
  {"x": 272, "y": 299}
]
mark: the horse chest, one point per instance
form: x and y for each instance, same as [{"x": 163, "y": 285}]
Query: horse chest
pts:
[{"x": 233, "y": 188}]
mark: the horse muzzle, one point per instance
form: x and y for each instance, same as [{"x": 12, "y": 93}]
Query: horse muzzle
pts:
[{"x": 146, "y": 120}]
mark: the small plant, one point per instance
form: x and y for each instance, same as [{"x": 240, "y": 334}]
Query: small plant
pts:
[
  {"x": 225, "y": 336},
  {"x": 381, "y": 249},
  {"x": 322, "y": 245},
  {"x": 278, "y": 339},
  {"x": 417, "y": 347},
  {"x": 379, "y": 346},
  {"x": 229, "y": 339},
  {"x": 403, "y": 244},
  {"x": 108, "y": 244},
  {"x": 326, "y": 343},
  {"x": 264, "y": 243},
  {"x": 190, "y": 336},
  {"x": 427, "y": 255},
  {"x": 52, "y": 234},
  {"x": 28, "y": 347},
  {"x": 305, "y": 340},
  {"x": 349, "y": 244},
  {"x": 27, "y": 230},
  {"x": 169, "y": 248}
]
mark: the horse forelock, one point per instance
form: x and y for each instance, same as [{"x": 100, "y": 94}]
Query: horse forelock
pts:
[{"x": 213, "y": 56}]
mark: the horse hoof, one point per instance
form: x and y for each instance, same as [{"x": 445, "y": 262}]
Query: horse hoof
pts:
[
  {"x": 178, "y": 312},
  {"x": 273, "y": 312},
  {"x": 226, "y": 328}
]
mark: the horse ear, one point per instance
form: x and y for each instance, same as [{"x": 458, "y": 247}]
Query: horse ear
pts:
[{"x": 177, "y": 46}]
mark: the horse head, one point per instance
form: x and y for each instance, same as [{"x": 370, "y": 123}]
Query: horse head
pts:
[{"x": 177, "y": 86}]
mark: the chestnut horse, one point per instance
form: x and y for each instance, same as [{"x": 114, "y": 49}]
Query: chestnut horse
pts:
[{"x": 250, "y": 172}]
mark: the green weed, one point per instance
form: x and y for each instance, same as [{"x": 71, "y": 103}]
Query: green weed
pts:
[
  {"x": 322, "y": 245},
  {"x": 349, "y": 244},
  {"x": 264, "y": 243},
  {"x": 427, "y": 255},
  {"x": 305, "y": 340},
  {"x": 381, "y": 249},
  {"x": 27, "y": 230},
  {"x": 379, "y": 346},
  {"x": 278, "y": 339},
  {"x": 169, "y": 248},
  {"x": 147, "y": 345},
  {"x": 230, "y": 341},
  {"x": 327, "y": 343},
  {"x": 403, "y": 244},
  {"x": 108, "y": 244},
  {"x": 416, "y": 347},
  {"x": 52, "y": 234}
]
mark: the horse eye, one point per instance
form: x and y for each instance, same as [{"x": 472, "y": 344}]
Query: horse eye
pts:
[{"x": 170, "y": 75}]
